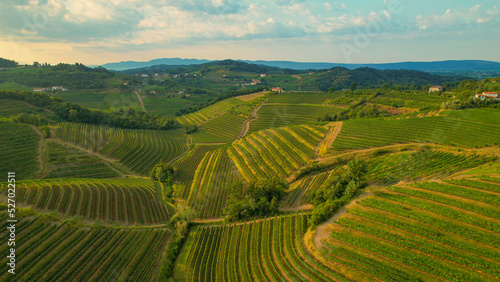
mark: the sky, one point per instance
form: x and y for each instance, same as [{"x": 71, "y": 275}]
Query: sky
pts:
[{"x": 95, "y": 32}]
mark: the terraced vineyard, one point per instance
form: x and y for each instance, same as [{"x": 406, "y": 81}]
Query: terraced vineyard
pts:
[
  {"x": 139, "y": 150},
  {"x": 422, "y": 231},
  {"x": 59, "y": 251},
  {"x": 302, "y": 98},
  {"x": 368, "y": 133},
  {"x": 185, "y": 168},
  {"x": 210, "y": 112},
  {"x": 275, "y": 152},
  {"x": 131, "y": 201},
  {"x": 301, "y": 189},
  {"x": 222, "y": 129},
  {"x": 19, "y": 145},
  {"x": 214, "y": 174},
  {"x": 68, "y": 162},
  {"x": 416, "y": 165},
  {"x": 264, "y": 250},
  {"x": 9, "y": 107},
  {"x": 279, "y": 115}
]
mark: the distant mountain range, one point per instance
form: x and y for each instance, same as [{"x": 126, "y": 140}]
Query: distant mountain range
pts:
[{"x": 439, "y": 66}]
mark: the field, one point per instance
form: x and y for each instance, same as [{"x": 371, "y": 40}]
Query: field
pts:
[
  {"x": 368, "y": 133},
  {"x": 54, "y": 250},
  {"x": 275, "y": 152},
  {"x": 279, "y": 115},
  {"x": 207, "y": 194},
  {"x": 9, "y": 107},
  {"x": 138, "y": 150},
  {"x": 101, "y": 100},
  {"x": 168, "y": 106},
  {"x": 302, "y": 98},
  {"x": 479, "y": 115},
  {"x": 128, "y": 201},
  {"x": 14, "y": 86},
  {"x": 19, "y": 145},
  {"x": 221, "y": 129},
  {"x": 422, "y": 231},
  {"x": 301, "y": 189},
  {"x": 68, "y": 162},
  {"x": 210, "y": 112},
  {"x": 263, "y": 250}
]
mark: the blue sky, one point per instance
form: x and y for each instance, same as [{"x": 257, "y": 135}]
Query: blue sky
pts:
[{"x": 357, "y": 31}]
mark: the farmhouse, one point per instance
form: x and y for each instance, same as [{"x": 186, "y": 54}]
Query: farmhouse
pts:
[
  {"x": 488, "y": 95},
  {"x": 277, "y": 89},
  {"x": 435, "y": 89},
  {"x": 256, "y": 81}
]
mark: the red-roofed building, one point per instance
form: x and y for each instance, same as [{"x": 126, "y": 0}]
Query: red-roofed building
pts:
[{"x": 488, "y": 95}]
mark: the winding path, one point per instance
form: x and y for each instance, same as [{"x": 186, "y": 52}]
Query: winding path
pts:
[
  {"x": 140, "y": 100},
  {"x": 323, "y": 231},
  {"x": 246, "y": 124}
]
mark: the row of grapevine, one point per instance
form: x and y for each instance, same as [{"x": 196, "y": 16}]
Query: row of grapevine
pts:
[
  {"x": 185, "y": 168},
  {"x": 52, "y": 251},
  {"x": 132, "y": 201},
  {"x": 67, "y": 162},
  {"x": 140, "y": 150},
  {"x": 214, "y": 174},
  {"x": 10, "y": 107},
  {"x": 19, "y": 150},
  {"x": 88, "y": 136},
  {"x": 412, "y": 166},
  {"x": 264, "y": 250},
  {"x": 368, "y": 133},
  {"x": 301, "y": 190},
  {"x": 210, "y": 111},
  {"x": 223, "y": 128},
  {"x": 423, "y": 231},
  {"x": 279, "y": 115},
  {"x": 275, "y": 152},
  {"x": 137, "y": 149}
]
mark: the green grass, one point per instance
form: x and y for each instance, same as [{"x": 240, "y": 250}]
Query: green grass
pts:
[
  {"x": 57, "y": 250},
  {"x": 19, "y": 145},
  {"x": 168, "y": 106},
  {"x": 14, "y": 86},
  {"x": 68, "y": 162},
  {"x": 101, "y": 100},
  {"x": 127, "y": 201},
  {"x": 301, "y": 98}
]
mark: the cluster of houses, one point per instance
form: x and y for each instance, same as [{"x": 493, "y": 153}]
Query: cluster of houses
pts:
[
  {"x": 487, "y": 96},
  {"x": 54, "y": 88}
]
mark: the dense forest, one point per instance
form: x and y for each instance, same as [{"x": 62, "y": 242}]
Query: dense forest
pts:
[{"x": 75, "y": 76}]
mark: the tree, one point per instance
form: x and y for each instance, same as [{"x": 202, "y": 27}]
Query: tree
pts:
[
  {"x": 353, "y": 86},
  {"x": 162, "y": 172}
]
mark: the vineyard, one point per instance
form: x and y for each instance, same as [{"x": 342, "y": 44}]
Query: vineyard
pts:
[
  {"x": 138, "y": 150},
  {"x": 185, "y": 170},
  {"x": 275, "y": 152},
  {"x": 262, "y": 250},
  {"x": 221, "y": 129},
  {"x": 59, "y": 251},
  {"x": 9, "y": 107},
  {"x": 210, "y": 112},
  {"x": 301, "y": 189},
  {"x": 368, "y": 133},
  {"x": 417, "y": 165},
  {"x": 130, "y": 201},
  {"x": 207, "y": 194},
  {"x": 67, "y": 162},
  {"x": 422, "y": 231},
  {"x": 19, "y": 150},
  {"x": 302, "y": 98},
  {"x": 279, "y": 115}
]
